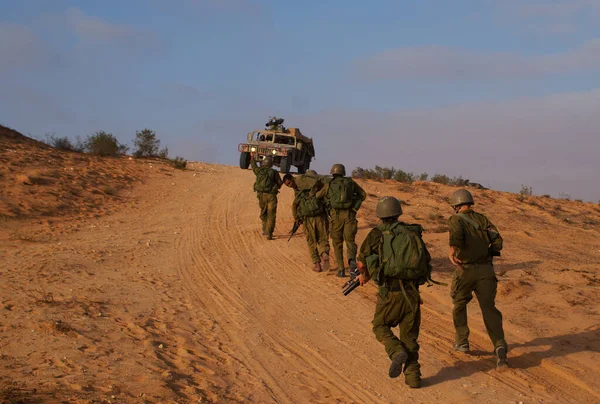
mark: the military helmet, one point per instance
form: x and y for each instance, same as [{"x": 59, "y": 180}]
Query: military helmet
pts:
[
  {"x": 267, "y": 162},
  {"x": 312, "y": 174},
  {"x": 461, "y": 197},
  {"x": 388, "y": 206},
  {"x": 338, "y": 169}
]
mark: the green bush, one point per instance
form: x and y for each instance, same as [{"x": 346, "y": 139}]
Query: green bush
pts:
[
  {"x": 104, "y": 144},
  {"x": 441, "y": 179},
  {"x": 179, "y": 162},
  {"x": 62, "y": 143},
  {"x": 146, "y": 144}
]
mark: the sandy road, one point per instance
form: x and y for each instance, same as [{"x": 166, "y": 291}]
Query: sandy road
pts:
[{"x": 194, "y": 304}]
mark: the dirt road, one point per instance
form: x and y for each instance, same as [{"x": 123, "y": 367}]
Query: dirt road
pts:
[{"x": 178, "y": 298}]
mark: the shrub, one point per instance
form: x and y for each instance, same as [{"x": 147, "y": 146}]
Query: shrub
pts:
[
  {"x": 402, "y": 176},
  {"x": 423, "y": 177},
  {"x": 146, "y": 144},
  {"x": 565, "y": 196},
  {"x": 179, "y": 162},
  {"x": 58, "y": 142},
  {"x": 458, "y": 181},
  {"x": 524, "y": 192},
  {"x": 104, "y": 144},
  {"x": 441, "y": 179}
]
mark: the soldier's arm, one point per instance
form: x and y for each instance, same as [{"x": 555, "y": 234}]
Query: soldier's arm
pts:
[
  {"x": 361, "y": 195},
  {"x": 495, "y": 237},
  {"x": 319, "y": 190},
  {"x": 278, "y": 179},
  {"x": 368, "y": 248},
  {"x": 457, "y": 238},
  {"x": 253, "y": 165}
]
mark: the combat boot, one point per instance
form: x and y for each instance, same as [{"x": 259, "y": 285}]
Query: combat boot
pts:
[
  {"x": 461, "y": 347},
  {"x": 341, "y": 273},
  {"x": 397, "y": 364},
  {"x": 412, "y": 382},
  {"x": 502, "y": 360},
  {"x": 317, "y": 267},
  {"x": 353, "y": 269},
  {"x": 270, "y": 236},
  {"x": 325, "y": 261}
]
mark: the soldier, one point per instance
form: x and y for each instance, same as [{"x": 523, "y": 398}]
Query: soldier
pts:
[
  {"x": 309, "y": 211},
  {"x": 403, "y": 265},
  {"x": 266, "y": 186},
  {"x": 344, "y": 197},
  {"x": 474, "y": 241}
]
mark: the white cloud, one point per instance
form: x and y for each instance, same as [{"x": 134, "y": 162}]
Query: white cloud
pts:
[
  {"x": 445, "y": 63},
  {"x": 20, "y": 47}
]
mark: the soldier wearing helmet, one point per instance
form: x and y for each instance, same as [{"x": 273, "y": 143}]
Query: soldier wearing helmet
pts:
[
  {"x": 310, "y": 211},
  {"x": 343, "y": 197},
  {"x": 474, "y": 241},
  {"x": 266, "y": 186},
  {"x": 398, "y": 300}
]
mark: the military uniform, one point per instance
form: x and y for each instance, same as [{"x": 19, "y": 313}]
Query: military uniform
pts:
[
  {"x": 343, "y": 223},
  {"x": 398, "y": 303},
  {"x": 315, "y": 226},
  {"x": 470, "y": 235},
  {"x": 267, "y": 200}
]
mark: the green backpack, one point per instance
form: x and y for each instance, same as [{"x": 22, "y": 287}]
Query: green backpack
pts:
[
  {"x": 308, "y": 206},
  {"x": 265, "y": 180},
  {"x": 403, "y": 254},
  {"x": 341, "y": 193}
]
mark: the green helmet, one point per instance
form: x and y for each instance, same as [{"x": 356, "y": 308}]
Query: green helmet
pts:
[
  {"x": 388, "y": 206},
  {"x": 312, "y": 174},
  {"x": 338, "y": 169},
  {"x": 461, "y": 197},
  {"x": 267, "y": 162}
]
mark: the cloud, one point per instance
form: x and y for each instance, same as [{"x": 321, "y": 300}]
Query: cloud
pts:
[
  {"x": 446, "y": 63},
  {"x": 549, "y": 143},
  {"x": 20, "y": 47}
]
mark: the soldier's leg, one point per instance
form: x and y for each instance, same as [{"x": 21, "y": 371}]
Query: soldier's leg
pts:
[
  {"x": 271, "y": 213},
  {"x": 322, "y": 234},
  {"x": 409, "y": 333},
  {"x": 263, "y": 205},
  {"x": 311, "y": 239},
  {"x": 387, "y": 313},
  {"x": 350, "y": 230},
  {"x": 485, "y": 290},
  {"x": 337, "y": 239},
  {"x": 461, "y": 293}
]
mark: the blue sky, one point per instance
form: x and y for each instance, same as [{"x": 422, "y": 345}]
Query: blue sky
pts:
[{"x": 503, "y": 93}]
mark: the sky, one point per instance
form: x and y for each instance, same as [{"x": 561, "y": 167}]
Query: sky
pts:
[{"x": 504, "y": 93}]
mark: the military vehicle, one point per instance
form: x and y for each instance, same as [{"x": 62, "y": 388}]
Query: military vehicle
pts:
[{"x": 288, "y": 147}]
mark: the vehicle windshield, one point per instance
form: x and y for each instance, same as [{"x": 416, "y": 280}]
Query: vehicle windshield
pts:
[{"x": 280, "y": 139}]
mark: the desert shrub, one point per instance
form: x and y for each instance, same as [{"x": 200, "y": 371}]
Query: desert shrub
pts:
[
  {"x": 179, "y": 162},
  {"x": 546, "y": 196},
  {"x": 59, "y": 142},
  {"x": 458, "y": 181},
  {"x": 402, "y": 176},
  {"x": 146, "y": 144},
  {"x": 524, "y": 193},
  {"x": 565, "y": 196},
  {"x": 164, "y": 153},
  {"x": 104, "y": 144},
  {"x": 358, "y": 172},
  {"x": 441, "y": 179},
  {"x": 423, "y": 177}
]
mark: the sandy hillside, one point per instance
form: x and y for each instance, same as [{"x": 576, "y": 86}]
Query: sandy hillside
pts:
[{"x": 163, "y": 291}]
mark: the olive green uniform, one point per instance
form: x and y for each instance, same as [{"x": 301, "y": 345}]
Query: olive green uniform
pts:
[
  {"x": 267, "y": 201},
  {"x": 475, "y": 239},
  {"x": 395, "y": 307},
  {"x": 343, "y": 225},
  {"x": 315, "y": 227}
]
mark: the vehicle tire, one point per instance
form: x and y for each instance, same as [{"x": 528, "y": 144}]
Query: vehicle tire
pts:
[
  {"x": 284, "y": 166},
  {"x": 244, "y": 160}
]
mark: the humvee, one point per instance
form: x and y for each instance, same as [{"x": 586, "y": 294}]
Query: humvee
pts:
[{"x": 288, "y": 147}]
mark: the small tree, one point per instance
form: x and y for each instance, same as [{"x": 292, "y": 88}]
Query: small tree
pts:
[
  {"x": 402, "y": 176},
  {"x": 423, "y": 177},
  {"x": 146, "y": 143},
  {"x": 58, "y": 142},
  {"x": 358, "y": 172},
  {"x": 441, "y": 179},
  {"x": 104, "y": 144}
]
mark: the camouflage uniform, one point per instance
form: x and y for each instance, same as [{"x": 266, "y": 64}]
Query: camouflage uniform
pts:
[
  {"x": 398, "y": 304},
  {"x": 267, "y": 201},
  {"x": 343, "y": 224},
  {"x": 469, "y": 234},
  {"x": 314, "y": 226}
]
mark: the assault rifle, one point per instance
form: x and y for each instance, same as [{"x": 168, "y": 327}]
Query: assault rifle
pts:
[
  {"x": 350, "y": 285},
  {"x": 297, "y": 224}
]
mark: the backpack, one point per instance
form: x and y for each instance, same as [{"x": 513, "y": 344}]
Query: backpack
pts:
[
  {"x": 308, "y": 206},
  {"x": 265, "y": 180},
  {"x": 341, "y": 193},
  {"x": 403, "y": 253}
]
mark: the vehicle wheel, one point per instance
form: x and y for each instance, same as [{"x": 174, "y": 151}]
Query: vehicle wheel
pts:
[
  {"x": 244, "y": 160},
  {"x": 285, "y": 166}
]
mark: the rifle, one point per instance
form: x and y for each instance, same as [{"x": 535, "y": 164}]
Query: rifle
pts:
[
  {"x": 350, "y": 285},
  {"x": 297, "y": 224}
]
